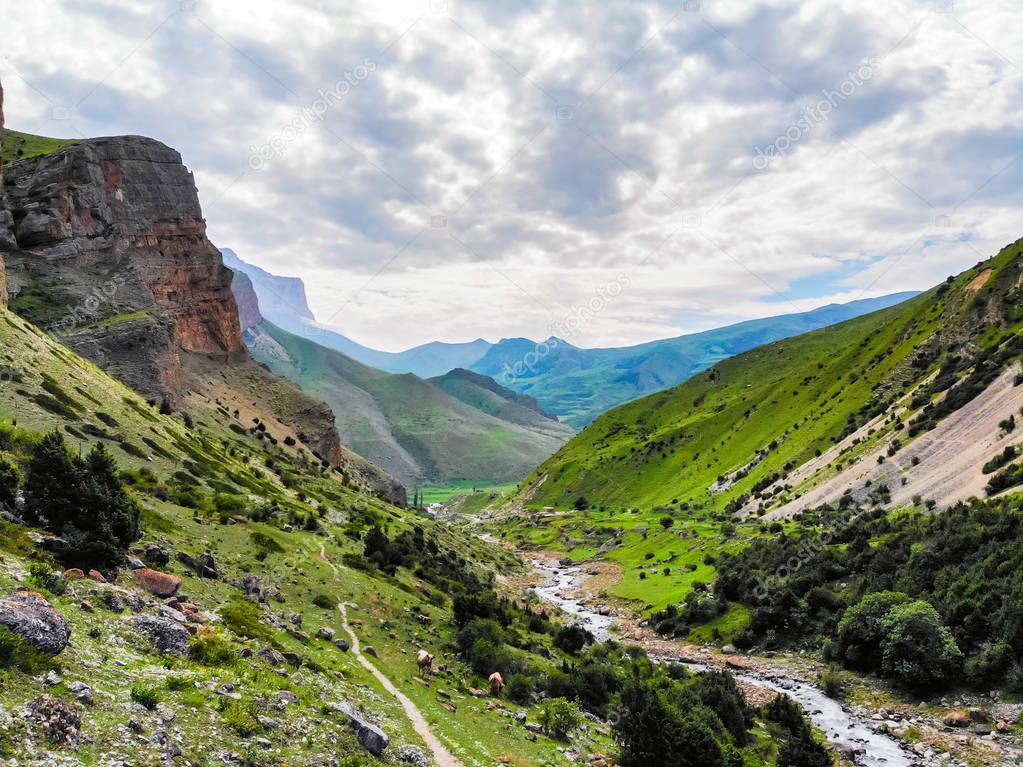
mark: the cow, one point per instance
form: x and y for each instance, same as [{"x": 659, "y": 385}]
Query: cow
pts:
[
  {"x": 425, "y": 661},
  {"x": 496, "y": 684}
]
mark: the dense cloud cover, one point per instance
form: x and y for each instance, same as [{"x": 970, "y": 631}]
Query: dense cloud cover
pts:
[{"x": 446, "y": 170}]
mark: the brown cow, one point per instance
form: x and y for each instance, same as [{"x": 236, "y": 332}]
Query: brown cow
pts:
[
  {"x": 425, "y": 661},
  {"x": 496, "y": 684}
]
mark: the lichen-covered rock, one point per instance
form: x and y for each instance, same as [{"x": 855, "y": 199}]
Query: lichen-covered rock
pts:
[
  {"x": 167, "y": 635},
  {"x": 35, "y": 620},
  {"x": 371, "y": 737},
  {"x": 59, "y": 721},
  {"x": 157, "y": 583}
]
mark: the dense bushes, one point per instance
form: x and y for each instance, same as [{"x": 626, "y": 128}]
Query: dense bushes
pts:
[
  {"x": 962, "y": 563},
  {"x": 83, "y": 501}
]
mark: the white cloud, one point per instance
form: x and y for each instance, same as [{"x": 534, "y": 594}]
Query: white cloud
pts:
[{"x": 566, "y": 144}]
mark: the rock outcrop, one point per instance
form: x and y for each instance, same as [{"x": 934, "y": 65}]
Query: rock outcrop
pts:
[
  {"x": 35, "y": 620},
  {"x": 166, "y": 635},
  {"x": 112, "y": 249}
]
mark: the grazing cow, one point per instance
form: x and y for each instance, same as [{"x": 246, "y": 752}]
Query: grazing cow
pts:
[
  {"x": 425, "y": 661},
  {"x": 496, "y": 684}
]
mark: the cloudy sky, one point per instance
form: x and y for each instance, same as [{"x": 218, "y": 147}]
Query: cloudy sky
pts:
[{"x": 450, "y": 170}]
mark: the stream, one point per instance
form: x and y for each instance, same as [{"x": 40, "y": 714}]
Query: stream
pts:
[{"x": 851, "y": 731}]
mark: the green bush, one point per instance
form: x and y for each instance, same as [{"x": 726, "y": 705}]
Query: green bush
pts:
[
  {"x": 16, "y": 653},
  {"x": 10, "y": 480},
  {"x": 147, "y": 697},
  {"x": 210, "y": 650},
  {"x": 918, "y": 649},
  {"x": 558, "y": 717},
  {"x": 48, "y": 579}
]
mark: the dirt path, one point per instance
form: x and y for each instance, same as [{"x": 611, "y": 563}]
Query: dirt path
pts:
[{"x": 441, "y": 755}]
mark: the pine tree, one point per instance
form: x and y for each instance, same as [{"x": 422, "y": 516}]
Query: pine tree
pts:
[{"x": 51, "y": 485}]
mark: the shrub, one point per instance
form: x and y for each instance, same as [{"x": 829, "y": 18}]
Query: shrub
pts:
[
  {"x": 48, "y": 579},
  {"x": 572, "y": 639},
  {"x": 860, "y": 632},
  {"x": 147, "y": 697},
  {"x": 558, "y": 717},
  {"x": 210, "y": 650},
  {"x": 10, "y": 479},
  {"x": 323, "y": 601},
  {"x": 16, "y": 653}
]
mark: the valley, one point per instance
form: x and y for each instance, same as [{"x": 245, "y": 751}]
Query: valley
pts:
[{"x": 233, "y": 536}]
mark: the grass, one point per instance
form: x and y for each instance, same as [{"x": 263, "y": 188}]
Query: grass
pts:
[
  {"x": 460, "y": 490},
  {"x": 21, "y": 146}
]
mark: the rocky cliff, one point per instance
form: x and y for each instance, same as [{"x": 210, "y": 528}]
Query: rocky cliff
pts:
[
  {"x": 282, "y": 298},
  {"x": 248, "y": 304},
  {"x": 110, "y": 253}
]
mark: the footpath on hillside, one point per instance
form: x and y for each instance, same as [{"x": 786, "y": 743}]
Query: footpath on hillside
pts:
[{"x": 441, "y": 755}]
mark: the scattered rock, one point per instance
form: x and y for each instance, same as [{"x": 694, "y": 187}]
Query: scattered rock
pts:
[
  {"x": 271, "y": 656},
  {"x": 97, "y": 576},
  {"x": 412, "y": 755},
  {"x": 74, "y": 574},
  {"x": 343, "y": 645},
  {"x": 82, "y": 692},
  {"x": 60, "y": 721},
  {"x": 165, "y": 634},
  {"x": 35, "y": 620},
  {"x": 325, "y": 632},
  {"x": 370, "y": 651},
  {"x": 157, "y": 583},
  {"x": 52, "y": 679},
  {"x": 134, "y": 563}
]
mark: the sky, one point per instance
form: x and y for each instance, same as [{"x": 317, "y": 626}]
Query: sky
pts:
[{"x": 607, "y": 172}]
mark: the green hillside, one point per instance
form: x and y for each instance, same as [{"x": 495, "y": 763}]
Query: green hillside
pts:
[
  {"x": 19, "y": 146},
  {"x": 484, "y": 393},
  {"x": 413, "y": 429},
  {"x": 718, "y": 440}
]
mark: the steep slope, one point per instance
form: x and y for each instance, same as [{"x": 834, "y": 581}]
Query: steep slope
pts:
[
  {"x": 486, "y": 394},
  {"x": 416, "y": 431},
  {"x": 262, "y": 541},
  {"x": 579, "y": 384},
  {"x": 892, "y": 396}
]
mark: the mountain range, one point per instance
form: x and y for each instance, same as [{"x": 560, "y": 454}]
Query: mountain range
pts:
[{"x": 571, "y": 383}]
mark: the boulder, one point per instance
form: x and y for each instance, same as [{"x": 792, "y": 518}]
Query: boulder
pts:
[
  {"x": 74, "y": 574},
  {"x": 412, "y": 755},
  {"x": 97, "y": 576},
  {"x": 157, "y": 583},
  {"x": 371, "y": 737},
  {"x": 83, "y": 693},
  {"x": 35, "y": 620},
  {"x": 166, "y": 635}
]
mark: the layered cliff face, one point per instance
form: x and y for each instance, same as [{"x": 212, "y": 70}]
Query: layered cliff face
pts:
[{"x": 110, "y": 254}]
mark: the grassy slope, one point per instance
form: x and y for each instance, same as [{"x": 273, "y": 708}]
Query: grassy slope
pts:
[
  {"x": 403, "y": 423},
  {"x": 669, "y": 448},
  {"x": 484, "y": 393},
  {"x": 580, "y": 384},
  {"x": 222, "y": 458},
  {"x": 19, "y": 146}
]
